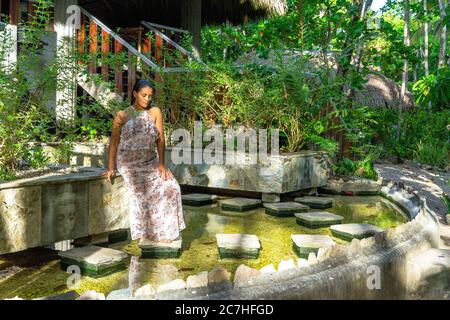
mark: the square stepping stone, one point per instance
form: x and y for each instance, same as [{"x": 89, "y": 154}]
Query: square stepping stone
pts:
[
  {"x": 305, "y": 244},
  {"x": 316, "y": 202},
  {"x": 238, "y": 246},
  {"x": 240, "y": 204},
  {"x": 354, "y": 230},
  {"x": 315, "y": 220},
  {"x": 285, "y": 209},
  {"x": 198, "y": 199},
  {"x": 117, "y": 236},
  {"x": 157, "y": 250},
  {"x": 94, "y": 261}
]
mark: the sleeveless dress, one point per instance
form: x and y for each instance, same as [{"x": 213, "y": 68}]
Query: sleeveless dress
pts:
[{"x": 156, "y": 211}]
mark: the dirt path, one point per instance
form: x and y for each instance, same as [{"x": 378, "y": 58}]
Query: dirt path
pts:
[{"x": 431, "y": 184}]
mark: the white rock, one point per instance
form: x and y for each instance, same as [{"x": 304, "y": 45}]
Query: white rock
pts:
[
  {"x": 199, "y": 280},
  {"x": 268, "y": 269},
  {"x": 92, "y": 295},
  {"x": 286, "y": 265},
  {"x": 312, "y": 259},
  {"x": 302, "y": 263},
  {"x": 177, "y": 284},
  {"x": 145, "y": 291}
]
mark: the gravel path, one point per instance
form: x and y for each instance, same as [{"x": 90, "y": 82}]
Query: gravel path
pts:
[{"x": 430, "y": 183}]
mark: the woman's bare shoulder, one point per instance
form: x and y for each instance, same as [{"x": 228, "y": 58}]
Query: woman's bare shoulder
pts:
[{"x": 155, "y": 112}]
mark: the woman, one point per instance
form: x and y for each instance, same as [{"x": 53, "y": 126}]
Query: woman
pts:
[{"x": 137, "y": 144}]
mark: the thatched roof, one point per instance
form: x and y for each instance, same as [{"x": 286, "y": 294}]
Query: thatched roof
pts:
[
  {"x": 119, "y": 13},
  {"x": 378, "y": 91}
]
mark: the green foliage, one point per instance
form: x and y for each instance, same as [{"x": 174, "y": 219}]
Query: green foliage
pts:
[
  {"x": 434, "y": 89},
  {"x": 446, "y": 200}
]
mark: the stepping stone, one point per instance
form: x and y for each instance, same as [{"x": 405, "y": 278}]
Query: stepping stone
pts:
[
  {"x": 157, "y": 250},
  {"x": 120, "y": 235},
  {"x": 240, "y": 204},
  {"x": 94, "y": 261},
  {"x": 305, "y": 244},
  {"x": 316, "y": 202},
  {"x": 354, "y": 231},
  {"x": 238, "y": 246},
  {"x": 198, "y": 199},
  {"x": 285, "y": 209},
  {"x": 314, "y": 220}
]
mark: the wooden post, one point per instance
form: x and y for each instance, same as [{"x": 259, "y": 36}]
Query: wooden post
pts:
[
  {"x": 147, "y": 47},
  {"x": 14, "y": 12},
  {"x": 31, "y": 10},
  {"x": 131, "y": 73},
  {"x": 105, "y": 52},
  {"x": 118, "y": 77},
  {"x": 158, "y": 48},
  {"x": 81, "y": 37},
  {"x": 93, "y": 46}
]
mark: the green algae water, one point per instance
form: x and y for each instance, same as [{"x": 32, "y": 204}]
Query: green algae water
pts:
[{"x": 36, "y": 273}]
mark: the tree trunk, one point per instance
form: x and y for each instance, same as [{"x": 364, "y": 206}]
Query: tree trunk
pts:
[
  {"x": 300, "y": 22},
  {"x": 359, "y": 51},
  {"x": 407, "y": 42},
  {"x": 443, "y": 36},
  {"x": 426, "y": 26}
]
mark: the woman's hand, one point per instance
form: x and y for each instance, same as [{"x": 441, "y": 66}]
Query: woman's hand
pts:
[
  {"x": 165, "y": 172},
  {"x": 109, "y": 175}
]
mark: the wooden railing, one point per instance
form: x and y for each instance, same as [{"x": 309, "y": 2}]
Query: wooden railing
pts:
[
  {"x": 107, "y": 54},
  {"x": 163, "y": 41}
]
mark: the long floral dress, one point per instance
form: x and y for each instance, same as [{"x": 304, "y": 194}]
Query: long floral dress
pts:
[{"x": 156, "y": 211}]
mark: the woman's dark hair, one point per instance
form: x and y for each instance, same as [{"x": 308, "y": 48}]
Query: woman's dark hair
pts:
[{"x": 141, "y": 84}]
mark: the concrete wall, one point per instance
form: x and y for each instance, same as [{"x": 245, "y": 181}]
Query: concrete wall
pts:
[{"x": 43, "y": 211}]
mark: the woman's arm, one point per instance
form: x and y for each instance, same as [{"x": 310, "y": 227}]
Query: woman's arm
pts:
[
  {"x": 161, "y": 144},
  {"x": 113, "y": 145}
]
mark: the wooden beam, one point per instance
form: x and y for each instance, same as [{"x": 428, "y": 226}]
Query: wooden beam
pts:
[
  {"x": 131, "y": 73},
  {"x": 14, "y": 12},
  {"x": 158, "y": 48},
  {"x": 105, "y": 52},
  {"x": 93, "y": 46},
  {"x": 118, "y": 77}
]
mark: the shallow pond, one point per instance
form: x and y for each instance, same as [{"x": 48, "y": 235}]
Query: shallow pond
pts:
[{"x": 36, "y": 273}]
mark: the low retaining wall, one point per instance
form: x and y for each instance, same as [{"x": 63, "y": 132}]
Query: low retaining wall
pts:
[
  {"x": 42, "y": 211},
  {"x": 285, "y": 173}
]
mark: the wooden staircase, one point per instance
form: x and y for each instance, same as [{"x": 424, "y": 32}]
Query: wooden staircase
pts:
[{"x": 112, "y": 63}]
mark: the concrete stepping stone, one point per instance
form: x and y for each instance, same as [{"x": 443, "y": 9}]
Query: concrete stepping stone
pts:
[
  {"x": 94, "y": 261},
  {"x": 318, "y": 219},
  {"x": 354, "y": 231},
  {"x": 305, "y": 244},
  {"x": 198, "y": 199},
  {"x": 285, "y": 209},
  {"x": 238, "y": 246},
  {"x": 240, "y": 204},
  {"x": 157, "y": 250},
  {"x": 316, "y": 202},
  {"x": 117, "y": 236}
]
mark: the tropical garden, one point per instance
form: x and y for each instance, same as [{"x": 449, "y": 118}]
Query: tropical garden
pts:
[{"x": 310, "y": 73}]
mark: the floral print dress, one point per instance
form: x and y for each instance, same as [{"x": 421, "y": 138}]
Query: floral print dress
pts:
[{"x": 156, "y": 211}]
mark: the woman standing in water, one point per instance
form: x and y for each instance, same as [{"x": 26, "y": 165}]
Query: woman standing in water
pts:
[{"x": 137, "y": 144}]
